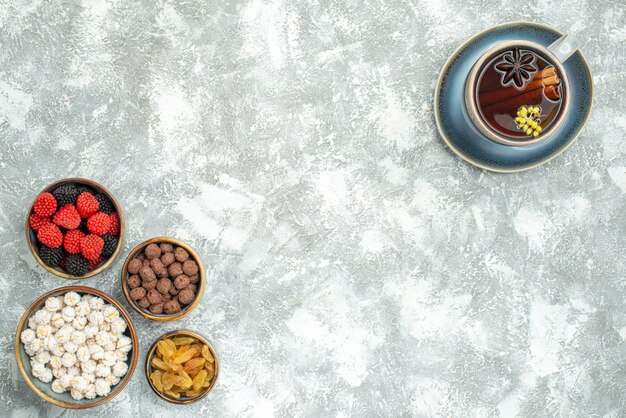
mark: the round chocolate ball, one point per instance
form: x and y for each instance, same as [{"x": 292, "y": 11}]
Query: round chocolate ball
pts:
[
  {"x": 134, "y": 266},
  {"x": 152, "y": 251},
  {"x": 134, "y": 281},
  {"x": 181, "y": 254}
]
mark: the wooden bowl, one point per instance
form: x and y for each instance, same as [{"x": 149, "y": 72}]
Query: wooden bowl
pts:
[
  {"x": 149, "y": 369},
  {"x": 31, "y": 236},
  {"x": 185, "y": 310},
  {"x": 44, "y": 390}
]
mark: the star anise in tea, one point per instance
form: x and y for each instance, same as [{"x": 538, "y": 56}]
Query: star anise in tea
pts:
[{"x": 516, "y": 68}]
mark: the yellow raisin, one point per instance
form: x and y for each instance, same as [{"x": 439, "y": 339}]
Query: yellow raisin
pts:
[
  {"x": 173, "y": 394},
  {"x": 183, "y": 340},
  {"x": 185, "y": 356},
  {"x": 165, "y": 349},
  {"x": 206, "y": 353},
  {"x": 195, "y": 363},
  {"x": 155, "y": 377},
  {"x": 168, "y": 381},
  {"x": 181, "y": 382},
  {"x": 159, "y": 364},
  {"x": 192, "y": 393},
  {"x": 198, "y": 380},
  {"x": 173, "y": 366}
]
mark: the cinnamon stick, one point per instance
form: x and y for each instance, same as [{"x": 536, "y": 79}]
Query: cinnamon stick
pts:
[
  {"x": 526, "y": 98},
  {"x": 552, "y": 93},
  {"x": 547, "y": 77}
]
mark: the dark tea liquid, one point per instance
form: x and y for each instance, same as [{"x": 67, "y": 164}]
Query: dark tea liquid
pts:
[{"x": 516, "y": 78}]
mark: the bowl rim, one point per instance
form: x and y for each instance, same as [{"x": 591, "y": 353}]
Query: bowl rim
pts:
[
  {"x": 188, "y": 333},
  {"x": 129, "y": 323},
  {"x": 201, "y": 283},
  {"x": 120, "y": 243}
]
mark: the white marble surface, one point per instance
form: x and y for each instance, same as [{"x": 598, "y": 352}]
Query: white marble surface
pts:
[{"x": 356, "y": 268}]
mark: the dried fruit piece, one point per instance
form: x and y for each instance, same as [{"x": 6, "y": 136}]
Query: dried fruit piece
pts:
[
  {"x": 173, "y": 394},
  {"x": 155, "y": 377},
  {"x": 194, "y": 363},
  {"x": 199, "y": 379},
  {"x": 185, "y": 356},
  {"x": 183, "y": 340},
  {"x": 206, "y": 353},
  {"x": 159, "y": 364},
  {"x": 165, "y": 349},
  {"x": 168, "y": 381}
]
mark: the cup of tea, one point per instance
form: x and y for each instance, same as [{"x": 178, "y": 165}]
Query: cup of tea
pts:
[{"x": 517, "y": 93}]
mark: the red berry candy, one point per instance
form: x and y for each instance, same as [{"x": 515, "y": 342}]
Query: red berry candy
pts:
[
  {"x": 45, "y": 205},
  {"x": 50, "y": 235},
  {"x": 114, "y": 229},
  {"x": 91, "y": 247},
  {"x": 67, "y": 217},
  {"x": 86, "y": 204},
  {"x": 36, "y": 222},
  {"x": 71, "y": 241},
  {"x": 99, "y": 223},
  {"x": 92, "y": 264}
]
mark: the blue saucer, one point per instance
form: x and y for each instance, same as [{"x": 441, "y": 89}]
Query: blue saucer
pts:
[{"x": 466, "y": 141}]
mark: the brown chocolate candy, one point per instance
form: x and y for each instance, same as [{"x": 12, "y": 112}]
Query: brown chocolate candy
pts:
[
  {"x": 141, "y": 257},
  {"x": 192, "y": 287},
  {"x": 156, "y": 265},
  {"x": 154, "y": 296},
  {"x": 145, "y": 263},
  {"x": 167, "y": 259},
  {"x": 149, "y": 284},
  {"x": 190, "y": 267},
  {"x": 186, "y": 296},
  {"x": 166, "y": 297},
  {"x": 173, "y": 290},
  {"x": 181, "y": 282},
  {"x": 146, "y": 273},
  {"x": 181, "y": 254},
  {"x": 194, "y": 279},
  {"x": 166, "y": 248},
  {"x": 152, "y": 251},
  {"x": 134, "y": 266},
  {"x": 157, "y": 308},
  {"x": 164, "y": 285},
  {"x": 143, "y": 302},
  {"x": 134, "y": 281},
  {"x": 171, "y": 306},
  {"x": 163, "y": 273},
  {"x": 137, "y": 293},
  {"x": 175, "y": 270}
]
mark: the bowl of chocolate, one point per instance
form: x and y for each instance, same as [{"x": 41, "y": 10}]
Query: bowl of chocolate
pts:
[
  {"x": 75, "y": 228},
  {"x": 163, "y": 279}
]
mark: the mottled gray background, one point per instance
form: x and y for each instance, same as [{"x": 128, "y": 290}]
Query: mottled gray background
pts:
[{"x": 356, "y": 268}]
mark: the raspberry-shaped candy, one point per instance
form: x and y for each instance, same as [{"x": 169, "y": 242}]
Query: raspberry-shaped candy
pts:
[
  {"x": 36, "y": 221},
  {"x": 94, "y": 263},
  {"x": 75, "y": 264},
  {"x": 114, "y": 229},
  {"x": 91, "y": 247},
  {"x": 99, "y": 223},
  {"x": 66, "y": 194},
  {"x": 71, "y": 241},
  {"x": 67, "y": 217},
  {"x": 87, "y": 204},
  {"x": 51, "y": 256},
  {"x": 106, "y": 205},
  {"x": 50, "y": 235},
  {"x": 45, "y": 205}
]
